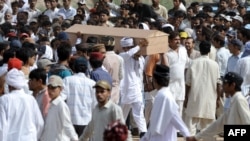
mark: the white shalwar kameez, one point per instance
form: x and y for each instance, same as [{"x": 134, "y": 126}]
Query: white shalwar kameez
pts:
[{"x": 165, "y": 119}]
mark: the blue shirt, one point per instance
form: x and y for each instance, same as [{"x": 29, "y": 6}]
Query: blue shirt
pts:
[
  {"x": 69, "y": 13},
  {"x": 100, "y": 74},
  {"x": 232, "y": 61}
]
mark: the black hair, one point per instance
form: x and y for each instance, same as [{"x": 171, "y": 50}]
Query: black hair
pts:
[
  {"x": 38, "y": 74},
  {"x": 64, "y": 51},
  {"x": 9, "y": 53},
  {"x": 24, "y": 54},
  {"x": 160, "y": 79},
  {"x": 204, "y": 47},
  {"x": 173, "y": 34},
  {"x": 95, "y": 63},
  {"x": 46, "y": 23},
  {"x": 219, "y": 38}
]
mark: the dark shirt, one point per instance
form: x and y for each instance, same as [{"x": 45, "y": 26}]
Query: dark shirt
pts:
[{"x": 100, "y": 74}]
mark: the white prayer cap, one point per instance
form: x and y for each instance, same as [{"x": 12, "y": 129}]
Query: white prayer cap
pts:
[
  {"x": 15, "y": 78},
  {"x": 144, "y": 26},
  {"x": 168, "y": 25},
  {"x": 127, "y": 42}
]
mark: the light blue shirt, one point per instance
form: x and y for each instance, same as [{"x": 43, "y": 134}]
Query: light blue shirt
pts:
[
  {"x": 69, "y": 13},
  {"x": 231, "y": 63}
]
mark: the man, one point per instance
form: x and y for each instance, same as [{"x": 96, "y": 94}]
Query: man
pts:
[
  {"x": 62, "y": 67},
  {"x": 114, "y": 65},
  {"x": 178, "y": 61},
  {"x": 104, "y": 113},
  {"x": 234, "y": 47},
  {"x": 53, "y": 11},
  {"x": 98, "y": 73},
  {"x": 131, "y": 89},
  {"x": 192, "y": 53},
  {"x": 222, "y": 53},
  {"x": 202, "y": 83},
  {"x": 68, "y": 11},
  {"x": 165, "y": 118},
  {"x": 160, "y": 9},
  {"x": 20, "y": 117},
  {"x": 238, "y": 114},
  {"x": 33, "y": 11},
  {"x": 58, "y": 125},
  {"x": 104, "y": 18},
  {"x": 37, "y": 84},
  {"x": 80, "y": 95}
]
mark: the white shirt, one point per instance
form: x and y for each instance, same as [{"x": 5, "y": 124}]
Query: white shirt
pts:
[
  {"x": 80, "y": 97},
  {"x": 243, "y": 69},
  {"x": 20, "y": 117},
  {"x": 165, "y": 119},
  {"x": 58, "y": 125},
  {"x": 222, "y": 56},
  {"x": 51, "y": 13},
  {"x": 178, "y": 61},
  {"x": 69, "y": 13},
  {"x": 130, "y": 84}
]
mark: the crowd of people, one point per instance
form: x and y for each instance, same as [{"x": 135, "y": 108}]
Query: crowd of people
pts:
[{"x": 53, "y": 89}]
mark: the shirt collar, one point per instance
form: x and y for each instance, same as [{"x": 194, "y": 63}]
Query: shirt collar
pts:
[
  {"x": 106, "y": 106},
  {"x": 56, "y": 101}
]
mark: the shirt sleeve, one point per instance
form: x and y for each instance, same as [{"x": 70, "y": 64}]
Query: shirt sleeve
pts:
[
  {"x": 243, "y": 111},
  {"x": 38, "y": 120},
  {"x": 46, "y": 103},
  {"x": 214, "y": 128},
  {"x": 3, "y": 122},
  {"x": 67, "y": 124},
  {"x": 179, "y": 124},
  {"x": 130, "y": 53}
]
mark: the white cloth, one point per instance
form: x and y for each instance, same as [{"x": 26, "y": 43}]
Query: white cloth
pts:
[
  {"x": 222, "y": 56},
  {"x": 202, "y": 77},
  {"x": 243, "y": 69},
  {"x": 165, "y": 119},
  {"x": 15, "y": 78},
  {"x": 178, "y": 62},
  {"x": 130, "y": 84},
  {"x": 127, "y": 42},
  {"x": 52, "y": 13},
  {"x": 3, "y": 69},
  {"x": 48, "y": 53},
  {"x": 58, "y": 125},
  {"x": 20, "y": 117},
  {"x": 80, "y": 97},
  {"x": 238, "y": 114}
]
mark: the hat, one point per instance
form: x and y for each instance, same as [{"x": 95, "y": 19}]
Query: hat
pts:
[
  {"x": 228, "y": 18},
  {"x": 96, "y": 55},
  {"x": 231, "y": 77},
  {"x": 15, "y": 78},
  {"x": 55, "y": 81},
  {"x": 107, "y": 41},
  {"x": 44, "y": 62},
  {"x": 144, "y": 26},
  {"x": 231, "y": 33},
  {"x": 168, "y": 25},
  {"x": 247, "y": 26},
  {"x": 62, "y": 36},
  {"x": 161, "y": 71},
  {"x": 33, "y": 20},
  {"x": 24, "y": 35},
  {"x": 103, "y": 84},
  {"x": 97, "y": 47},
  {"x": 238, "y": 18},
  {"x": 236, "y": 42},
  {"x": 127, "y": 42},
  {"x": 183, "y": 34},
  {"x": 81, "y": 2},
  {"x": 211, "y": 14},
  {"x": 15, "y": 43},
  {"x": 11, "y": 34},
  {"x": 15, "y": 63},
  {"x": 81, "y": 61}
]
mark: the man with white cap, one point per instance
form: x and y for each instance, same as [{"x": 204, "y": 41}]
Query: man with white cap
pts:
[
  {"x": 20, "y": 117},
  {"x": 131, "y": 88},
  {"x": 58, "y": 125}
]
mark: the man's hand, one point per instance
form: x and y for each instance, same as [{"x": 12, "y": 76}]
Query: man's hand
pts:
[{"x": 143, "y": 43}]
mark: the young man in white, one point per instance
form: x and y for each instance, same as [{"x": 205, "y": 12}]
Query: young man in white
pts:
[
  {"x": 131, "y": 88},
  {"x": 58, "y": 125},
  {"x": 20, "y": 116},
  {"x": 165, "y": 119}
]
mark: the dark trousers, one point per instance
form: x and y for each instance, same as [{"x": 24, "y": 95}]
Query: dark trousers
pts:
[{"x": 79, "y": 129}]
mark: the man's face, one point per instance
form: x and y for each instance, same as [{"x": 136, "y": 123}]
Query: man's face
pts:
[
  {"x": 155, "y": 2},
  {"x": 22, "y": 17},
  {"x": 33, "y": 84},
  {"x": 103, "y": 17},
  {"x": 53, "y": 3},
  {"x": 175, "y": 42},
  {"x": 32, "y": 3},
  {"x": 54, "y": 92},
  {"x": 102, "y": 95},
  {"x": 189, "y": 44},
  {"x": 66, "y": 3},
  {"x": 176, "y": 3},
  {"x": 47, "y": 4}
]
